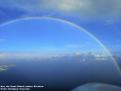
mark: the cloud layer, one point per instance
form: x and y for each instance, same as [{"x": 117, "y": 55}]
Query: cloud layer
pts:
[{"x": 101, "y": 9}]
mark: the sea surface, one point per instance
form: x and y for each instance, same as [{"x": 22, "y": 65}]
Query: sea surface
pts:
[{"x": 59, "y": 75}]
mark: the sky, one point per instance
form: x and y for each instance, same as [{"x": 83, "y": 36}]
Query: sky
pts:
[
  {"x": 24, "y": 34},
  {"x": 45, "y": 36},
  {"x": 102, "y": 18}
]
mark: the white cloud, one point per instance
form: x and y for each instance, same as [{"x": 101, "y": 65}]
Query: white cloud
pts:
[
  {"x": 26, "y": 55},
  {"x": 81, "y": 8},
  {"x": 67, "y": 5}
]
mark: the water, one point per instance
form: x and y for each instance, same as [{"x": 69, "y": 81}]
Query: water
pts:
[{"x": 60, "y": 74}]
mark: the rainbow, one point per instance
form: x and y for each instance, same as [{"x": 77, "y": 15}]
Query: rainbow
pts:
[{"x": 76, "y": 26}]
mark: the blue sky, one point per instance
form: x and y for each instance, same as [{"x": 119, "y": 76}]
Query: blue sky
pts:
[
  {"x": 45, "y": 35},
  {"x": 102, "y": 18}
]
